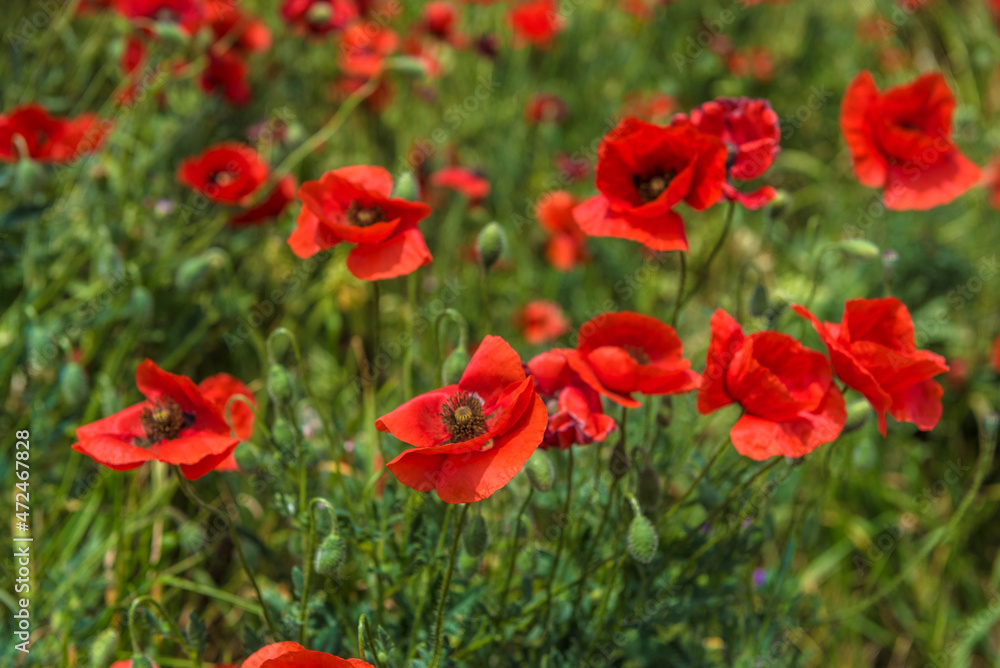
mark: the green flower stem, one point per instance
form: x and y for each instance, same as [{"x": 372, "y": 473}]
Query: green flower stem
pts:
[
  {"x": 190, "y": 493},
  {"x": 563, "y": 530},
  {"x": 445, "y": 584},
  {"x": 680, "y": 288},
  {"x": 511, "y": 559},
  {"x": 487, "y": 306},
  {"x": 703, "y": 272},
  {"x": 149, "y": 601},
  {"x": 603, "y": 610},
  {"x": 309, "y": 547},
  {"x": 425, "y": 588},
  {"x": 411, "y": 300},
  {"x": 365, "y": 634},
  {"x": 694, "y": 485}
]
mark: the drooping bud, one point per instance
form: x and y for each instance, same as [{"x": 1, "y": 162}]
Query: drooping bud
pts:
[
  {"x": 330, "y": 555},
  {"x": 73, "y": 384},
  {"x": 541, "y": 473},
  {"x": 140, "y": 305},
  {"x": 476, "y": 536},
  {"x": 861, "y": 249},
  {"x": 192, "y": 272},
  {"x": 283, "y": 433},
  {"x": 454, "y": 366},
  {"x": 279, "y": 385},
  {"x": 406, "y": 187},
  {"x": 642, "y": 539},
  {"x": 491, "y": 244},
  {"x": 103, "y": 649}
]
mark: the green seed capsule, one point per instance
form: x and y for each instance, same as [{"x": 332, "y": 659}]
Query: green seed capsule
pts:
[
  {"x": 491, "y": 244},
  {"x": 283, "y": 434},
  {"x": 540, "y": 471},
  {"x": 476, "y": 536},
  {"x": 642, "y": 539},
  {"x": 279, "y": 385},
  {"x": 861, "y": 249},
  {"x": 330, "y": 555},
  {"x": 406, "y": 187},
  {"x": 103, "y": 649},
  {"x": 73, "y": 384}
]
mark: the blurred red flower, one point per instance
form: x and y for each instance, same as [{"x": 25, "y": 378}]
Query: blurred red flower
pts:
[
  {"x": 566, "y": 247},
  {"x": 873, "y": 351},
  {"x": 541, "y": 321},
  {"x": 790, "y": 403},
  {"x": 293, "y": 655},
  {"x": 643, "y": 172},
  {"x": 900, "y": 140},
  {"x": 364, "y": 46},
  {"x": 187, "y": 14},
  {"x": 650, "y": 106},
  {"x": 438, "y": 19},
  {"x": 218, "y": 390},
  {"x": 228, "y": 173},
  {"x": 245, "y": 32},
  {"x": 470, "y": 439},
  {"x": 177, "y": 424},
  {"x": 319, "y": 17},
  {"x": 354, "y": 205},
  {"x": 30, "y": 132},
  {"x": 226, "y": 73},
  {"x": 995, "y": 355},
  {"x": 269, "y": 209},
  {"x": 634, "y": 353},
  {"x": 751, "y": 131},
  {"x": 545, "y": 108},
  {"x": 468, "y": 182},
  {"x": 576, "y": 414},
  {"x": 536, "y": 22}
]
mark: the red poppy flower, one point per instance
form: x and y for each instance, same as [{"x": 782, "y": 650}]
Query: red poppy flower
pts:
[
  {"x": 576, "y": 415},
  {"x": 751, "y": 131},
  {"x": 439, "y": 18},
  {"x": 470, "y": 439},
  {"x": 247, "y": 33},
  {"x": 127, "y": 663},
  {"x": 228, "y": 173},
  {"x": 541, "y": 321},
  {"x": 991, "y": 181},
  {"x": 545, "y": 108},
  {"x": 643, "y": 172},
  {"x": 468, "y": 182},
  {"x": 536, "y": 22},
  {"x": 790, "y": 403},
  {"x": 226, "y": 73},
  {"x": 293, "y": 655},
  {"x": 566, "y": 247},
  {"x": 30, "y": 130},
  {"x": 630, "y": 352},
  {"x": 187, "y": 14},
  {"x": 353, "y": 204},
  {"x": 873, "y": 351},
  {"x": 272, "y": 207},
  {"x": 994, "y": 9},
  {"x": 319, "y": 17},
  {"x": 177, "y": 424},
  {"x": 218, "y": 390},
  {"x": 571, "y": 168},
  {"x": 364, "y": 48},
  {"x": 900, "y": 140}
]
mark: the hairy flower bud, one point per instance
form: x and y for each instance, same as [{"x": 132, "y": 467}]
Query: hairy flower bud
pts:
[
  {"x": 642, "y": 539},
  {"x": 491, "y": 244},
  {"x": 540, "y": 471},
  {"x": 476, "y": 536}
]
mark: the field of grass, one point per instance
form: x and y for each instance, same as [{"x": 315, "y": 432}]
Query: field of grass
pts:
[{"x": 868, "y": 551}]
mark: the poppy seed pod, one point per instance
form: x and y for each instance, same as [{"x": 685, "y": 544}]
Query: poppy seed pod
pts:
[
  {"x": 73, "y": 384},
  {"x": 330, "y": 555},
  {"x": 192, "y": 272},
  {"x": 491, "y": 244},
  {"x": 103, "y": 649},
  {"x": 861, "y": 249},
  {"x": 279, "y": 385},
  {"x": 476, "y": 536},
  {"x": 540, "y": 471},
  {"x": 284, "y": 435},
  {"x": 642, "y": 539}
]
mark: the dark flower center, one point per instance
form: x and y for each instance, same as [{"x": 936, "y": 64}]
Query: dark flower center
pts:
[
  {"x": 360, "y": 215},
  {"x": 462, "y": 416},
  {"x": 637, "y": 353},
  {"x": 166, "y": 15},
  {"x": 649, "y": 188},
  {"x": 163, "y": 420},
  {"x": 221, "y": 178}
]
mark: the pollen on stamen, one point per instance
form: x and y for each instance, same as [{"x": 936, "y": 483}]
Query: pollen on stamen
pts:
[
  {"x": 462, "y": 416},
  {"x": 164, "y": 419},
  {"x": 649, "y": 188},
  {"x": 363, "y": 216}
]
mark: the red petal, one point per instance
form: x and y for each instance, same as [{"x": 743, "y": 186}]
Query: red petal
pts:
[
  {"x": 374, "y": 179},
  {"x": 919, "y": 404},
  {"x": 113, "y": 452},
  {"x": 399, "y": 255},
  {"x": 154, "y": 382},
  {"x": 418, "y": 421},
  {"x": 311, "y": 236},
  {"x": 727, "y": 340},
  {"x": 219, "y": 389},
  {"x": 919, "y": 186},
  {"x": 857, "y": 108},
  {"x": 493, "y": 367}
]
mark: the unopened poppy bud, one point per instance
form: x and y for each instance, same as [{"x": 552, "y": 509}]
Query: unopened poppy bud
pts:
[
  {"x": 541, "y": 475},
  {"x": 648, "y": 492},
  {"x": 861, "y": 249},
  {"x": 319, "y": 14},
  {"x": 283, "y": 434},
  {"x": 407, "y": 66},
  {"x": 192, "y": 272},
  {"x": 619, "y": 463},
  {"x": 330, "y": 555},
  {"x": 491, "y": 244},
  {"x": 454, "y": 366},
  {"x": 73, "y": 384},
  {"x": 758, "y": 301},
  {"x": 642, "y": 539},
  {"x": 141, "y": 661},
  {"x": 279, "y": 385},
  {"x": 140, "y": 305},
  {"x": 857, "y": 415},
  {"x": 779, "y": 205},
  {"x": 103, "y": 649},
  {"x": 476, "y": 536},
  {"x": 406, "y": 187}
]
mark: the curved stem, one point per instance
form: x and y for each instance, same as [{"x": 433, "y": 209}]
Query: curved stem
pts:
[
  {"x": 136, "y": 648},
  {"x": 703, "y": 272},
  {"x": 445, "y": 584},
  {"x": 190, "y": 493}
]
